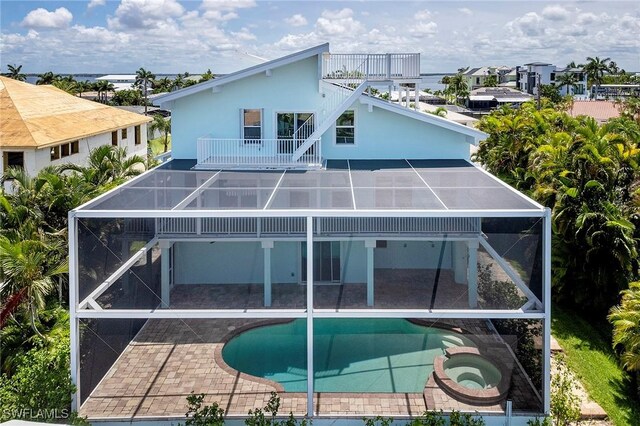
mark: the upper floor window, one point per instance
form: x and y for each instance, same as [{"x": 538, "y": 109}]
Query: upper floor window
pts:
[
  {"x": 346, "y": 128},
  {"x": 124, "y": 133},
  {"x": 114, "y": 138},
  {"x": 251, "y": 125},
  {"x": 55, "y": 153}
]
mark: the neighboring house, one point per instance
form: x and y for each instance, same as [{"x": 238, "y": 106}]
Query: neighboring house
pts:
[
  {"x": 532, "y": 74},
  {"x": 489, "y": 98},
  {"x": 600, "y": 110},
  {"x": 42, "y": 126},
  {"x": 615, "y": 91},
  {"x": 476, "y": 77},
  {"x": 311, "y": 240},
  {"x": 120, "y": 81}
]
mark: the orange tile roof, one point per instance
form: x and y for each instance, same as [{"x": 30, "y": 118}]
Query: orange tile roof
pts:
[
  {"x": 600, "y": 110},
  {"x": 39, "y": 116}
]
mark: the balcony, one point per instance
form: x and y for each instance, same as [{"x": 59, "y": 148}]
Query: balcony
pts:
[
  {"x": 371, "y": 67},
  {"x": 256, "y": 153}
]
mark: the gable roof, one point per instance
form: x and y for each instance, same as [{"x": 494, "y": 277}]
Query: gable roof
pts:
[
  {"x": 40, "y": 116},
  {"x": 436, "y": 120},
  {"x": 247, "y": 72}
]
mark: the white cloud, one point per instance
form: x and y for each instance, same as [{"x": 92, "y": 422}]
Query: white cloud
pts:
[
  {"x": 529, "y": 24},
  {"x": 587, "y": 18},
  {"x": 144, "y": 14},
  {"x": 423, "y": 15},
  {"x": 555, "y": 13},
  {"x": 224, "y": 10},
  {"x": 338, "y": 22},
  {"x": 296, "y": 20},
  {"x": 423, "y": 29},
  {"x": 96, "y": 3},
  {"x": 42, "y": 18},
  {"x": 466, "y": 11}
]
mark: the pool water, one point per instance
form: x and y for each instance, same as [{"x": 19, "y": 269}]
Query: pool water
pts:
[
  {"x": 350, "y": 355},
  {"x": 472, "y": 371}
]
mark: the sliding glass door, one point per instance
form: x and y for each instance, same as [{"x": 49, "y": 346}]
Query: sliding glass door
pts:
[{"x": 293, "y": 128}]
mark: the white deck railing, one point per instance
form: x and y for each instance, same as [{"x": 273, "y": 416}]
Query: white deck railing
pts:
[
  {"x": 256, "y": 153},
  {"x": 383, "y": 66}
]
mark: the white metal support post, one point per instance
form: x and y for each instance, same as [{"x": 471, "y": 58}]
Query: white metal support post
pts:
[
  {"x": 472, "y": 273},
  {"x": 165, "y": 278},
  {"x": 546, "y": 286},
  {"x": 267, "y": 245},
  {"x": 73, "y": 319},
  {"x": 310, "y": 316},
  {"x": 370, "y": 246}
]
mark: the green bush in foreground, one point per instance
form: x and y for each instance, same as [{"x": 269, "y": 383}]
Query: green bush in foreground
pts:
[{"x": 41, "y": 387}]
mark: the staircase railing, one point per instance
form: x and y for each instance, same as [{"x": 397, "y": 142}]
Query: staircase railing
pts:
[{"x": 335, "y": 95}]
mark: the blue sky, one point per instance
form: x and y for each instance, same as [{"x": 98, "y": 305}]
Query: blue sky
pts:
[{"x": 168, "y": 36}]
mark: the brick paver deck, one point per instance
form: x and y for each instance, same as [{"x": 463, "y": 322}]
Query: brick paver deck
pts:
[{"x": 170, "y": 358}]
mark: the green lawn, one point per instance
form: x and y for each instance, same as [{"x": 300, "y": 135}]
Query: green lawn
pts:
[
  {"x": 157, "y": 146},
  {"x": 589, "y": 354}
]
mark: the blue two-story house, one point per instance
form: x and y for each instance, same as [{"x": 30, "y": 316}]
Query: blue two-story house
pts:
[{"x": 312, "y": 239}]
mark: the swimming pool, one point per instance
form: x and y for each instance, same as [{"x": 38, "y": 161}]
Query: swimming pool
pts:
[{"x": 350, "y": 355}]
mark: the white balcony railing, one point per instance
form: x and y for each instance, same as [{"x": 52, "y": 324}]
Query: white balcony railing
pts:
[
  {"x": 383, "y": 66},
  {"x": 256, "y": 153}
]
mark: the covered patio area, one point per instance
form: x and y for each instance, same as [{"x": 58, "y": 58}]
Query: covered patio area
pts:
[{"x": 369, "y": 272}]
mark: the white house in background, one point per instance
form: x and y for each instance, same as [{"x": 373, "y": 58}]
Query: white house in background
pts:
[
  {"x": 313, "y": 240},
  {"x": 119, "y": 81},
  {"x": 534, "y": 73},
  {"x": 42, "y": 126}
]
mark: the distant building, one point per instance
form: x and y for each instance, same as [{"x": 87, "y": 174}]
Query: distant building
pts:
[
  {"x": 42, "y": 126},
  {"x": 476, "y": 77},
  {"x": 600, "y": 110},
  {"x": 488, "y": 98},
  {"x": 547, "y": 74},
  {"x": 615, "y": 91},
  {"x": 120, "y": 81}
]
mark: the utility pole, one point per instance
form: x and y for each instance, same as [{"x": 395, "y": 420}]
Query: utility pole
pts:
[{"x": 538, "y": 90}]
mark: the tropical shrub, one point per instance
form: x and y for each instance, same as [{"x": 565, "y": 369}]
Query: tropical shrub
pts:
[
  {"x": 625, "y": 319},
  {"x": 565, "y": 403},
  {"x": 41, "y": 388},
  {"x": 199, "y": 415},
  {"x": 588, "y": 175}
]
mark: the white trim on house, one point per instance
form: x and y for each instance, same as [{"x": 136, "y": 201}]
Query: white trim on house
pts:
[{"x": 247, "y": 72}]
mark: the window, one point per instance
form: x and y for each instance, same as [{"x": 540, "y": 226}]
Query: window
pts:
[
  {"x": 346, "y": 128},
  {"x": 124, "y": 133},
  {"x": 553, "y": 76},
  {"x": 251, "y": 125},
  {"x": 75, "y": 147},
  {"x": 114, "y": 138},
  {"x": 13, "y": 159},
  {"x": 55, "y": 153},
  {"x": 64, "y": 150},
  {"x": 138, "y": 140}
]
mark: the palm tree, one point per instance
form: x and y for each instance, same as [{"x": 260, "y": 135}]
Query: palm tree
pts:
[
  {"x": 15, "y": 73},
  {"x": 162, "y": 85},
  {"x": 625, "y": 319},
  {"x": 458, "y": 87},
  {"x": 163, "y": 126},
  {"x": 178, "y": 82},
  {"x": 107, "y": 166},
  {"x": 568, "y": 79},
  {"x": 595, "y": 69},
  {"x": 143, "y": 77},
  {"x": 70, "y": 87},
  {"x": 83, "y": 86},
  {"x": 103, "y": 87},
  {"x": 206, "y": 76},
  {"x": 613, "y": 68},
  {"x": 28, "y": 276},
  {"x": 47, "y": 78},
  {"x": 491, "y": 81}
]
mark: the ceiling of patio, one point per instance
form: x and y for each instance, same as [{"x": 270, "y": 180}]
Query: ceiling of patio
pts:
[{"x": 420, "y": 185}]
